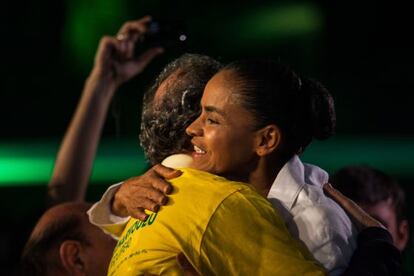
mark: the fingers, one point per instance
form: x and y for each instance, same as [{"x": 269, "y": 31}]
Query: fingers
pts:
[
  {"x": 125, "y": 49},
  {"x": 150, "y": 185},
  {"x": 127, "y": 36},
  {"x": 150, "y": 205},
  {"x": 138, "y": 213},
  {"x": 128, "y": 66},
  {"x": 158, "y": 186},
  {"x": 129, "y": 49},
  {"x": 149, "y": 199},
  {"x": 356, "y": 212},
  {"x": 137, "y": 191},
  {"x": 337, "y": 196},
  {"x": 106, "y": 47},
  {"x": 155, "y": 196},
  {"x": 111, "y": 51},
  {"x": 144, "y": 192},
  {"x": 129, "y": 33},
  {"x": 115, "y": 55},
  {"x": 134, "y": 27},
  {"x": 166, "y": 172},
  {"x": 133, "y": 205}
]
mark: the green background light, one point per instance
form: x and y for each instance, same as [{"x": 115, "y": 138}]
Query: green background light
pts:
[
  {"x": 276, "y": 23},
  {"x": 82, "y": 31},
  {"x": 23, "y": 163}
]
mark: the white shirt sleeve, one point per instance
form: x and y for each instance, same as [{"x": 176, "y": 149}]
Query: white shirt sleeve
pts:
[
  {"x": 328, "y": 235},
  {"x": 100, "y": 213}
]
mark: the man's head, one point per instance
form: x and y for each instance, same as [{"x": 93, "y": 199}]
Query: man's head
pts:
[
  {"x": 172, "y": 103},
  {"x": 379, "y": 195},
  {"x": 63, "y": 242}
]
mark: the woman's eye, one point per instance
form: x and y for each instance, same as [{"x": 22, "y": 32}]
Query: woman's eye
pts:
[{"x": 211, "y": 121}]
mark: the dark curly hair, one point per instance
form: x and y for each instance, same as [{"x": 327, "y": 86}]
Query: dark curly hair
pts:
[{"x": 164, "y": 120}]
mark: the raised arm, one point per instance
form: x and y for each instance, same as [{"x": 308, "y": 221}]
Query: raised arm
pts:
[{"x": 114, "y": 65}]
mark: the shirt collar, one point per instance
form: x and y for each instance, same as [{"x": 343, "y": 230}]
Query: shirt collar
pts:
[
  {"x": 291, "y": 180},
  {"x": 177, "y": 161}
]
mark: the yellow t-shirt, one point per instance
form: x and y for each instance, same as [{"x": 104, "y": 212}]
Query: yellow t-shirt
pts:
[{"x": 222, "y": 227}]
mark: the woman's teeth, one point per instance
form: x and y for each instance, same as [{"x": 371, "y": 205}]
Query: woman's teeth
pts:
[{"x": 198, "y": 150}]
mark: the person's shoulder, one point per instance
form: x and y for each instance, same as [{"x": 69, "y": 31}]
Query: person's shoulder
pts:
[
  {"x": 250, "y": 195},
  {"x": 213, "y": 189},
  {"x": 207, "y": 180},
  {"x": 202, "y": 188}
]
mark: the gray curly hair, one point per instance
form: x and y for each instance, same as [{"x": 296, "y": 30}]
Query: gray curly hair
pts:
[{"x": 165, "y": 120}]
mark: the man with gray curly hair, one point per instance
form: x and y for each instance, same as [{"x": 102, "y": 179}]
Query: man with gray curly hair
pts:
[{"x": 172, "y": 103}]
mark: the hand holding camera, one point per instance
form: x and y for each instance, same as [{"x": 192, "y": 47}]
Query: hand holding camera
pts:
[{"x": 115, "y": 62}]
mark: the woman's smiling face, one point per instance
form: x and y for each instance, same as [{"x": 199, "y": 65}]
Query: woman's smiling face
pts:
[{"x": 224, "y": 134}]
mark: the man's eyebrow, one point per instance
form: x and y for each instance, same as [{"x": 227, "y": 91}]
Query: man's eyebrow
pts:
[{"x": 210, "y": 108}]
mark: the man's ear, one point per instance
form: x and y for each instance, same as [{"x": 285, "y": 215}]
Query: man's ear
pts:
[
  {"x": 403, "y": 234},
  {"x": 71, "y": 257},
  {"x": 268, "y": 139}
]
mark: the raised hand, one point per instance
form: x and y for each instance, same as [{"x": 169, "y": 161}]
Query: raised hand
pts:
[{"x": 115, "y": 62}]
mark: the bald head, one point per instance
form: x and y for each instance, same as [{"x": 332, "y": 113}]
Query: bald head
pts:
[
  {"x": 63, "y": 242},
  {"x": 72, "y": 215}
]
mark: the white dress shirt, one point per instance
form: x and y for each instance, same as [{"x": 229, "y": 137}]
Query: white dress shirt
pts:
[{"x": 316, "y": 220}]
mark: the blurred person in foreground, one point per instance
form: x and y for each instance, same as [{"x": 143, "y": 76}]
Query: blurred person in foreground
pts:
[{"x": 63, "y": 242}]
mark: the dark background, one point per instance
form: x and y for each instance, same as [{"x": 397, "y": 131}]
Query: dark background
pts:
[{"x": 361, "y": 50}]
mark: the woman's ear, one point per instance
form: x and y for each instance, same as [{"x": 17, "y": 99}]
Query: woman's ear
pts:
[
  {"x": 71, "y": 257},
  {"x": 268, "y": 140}
]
